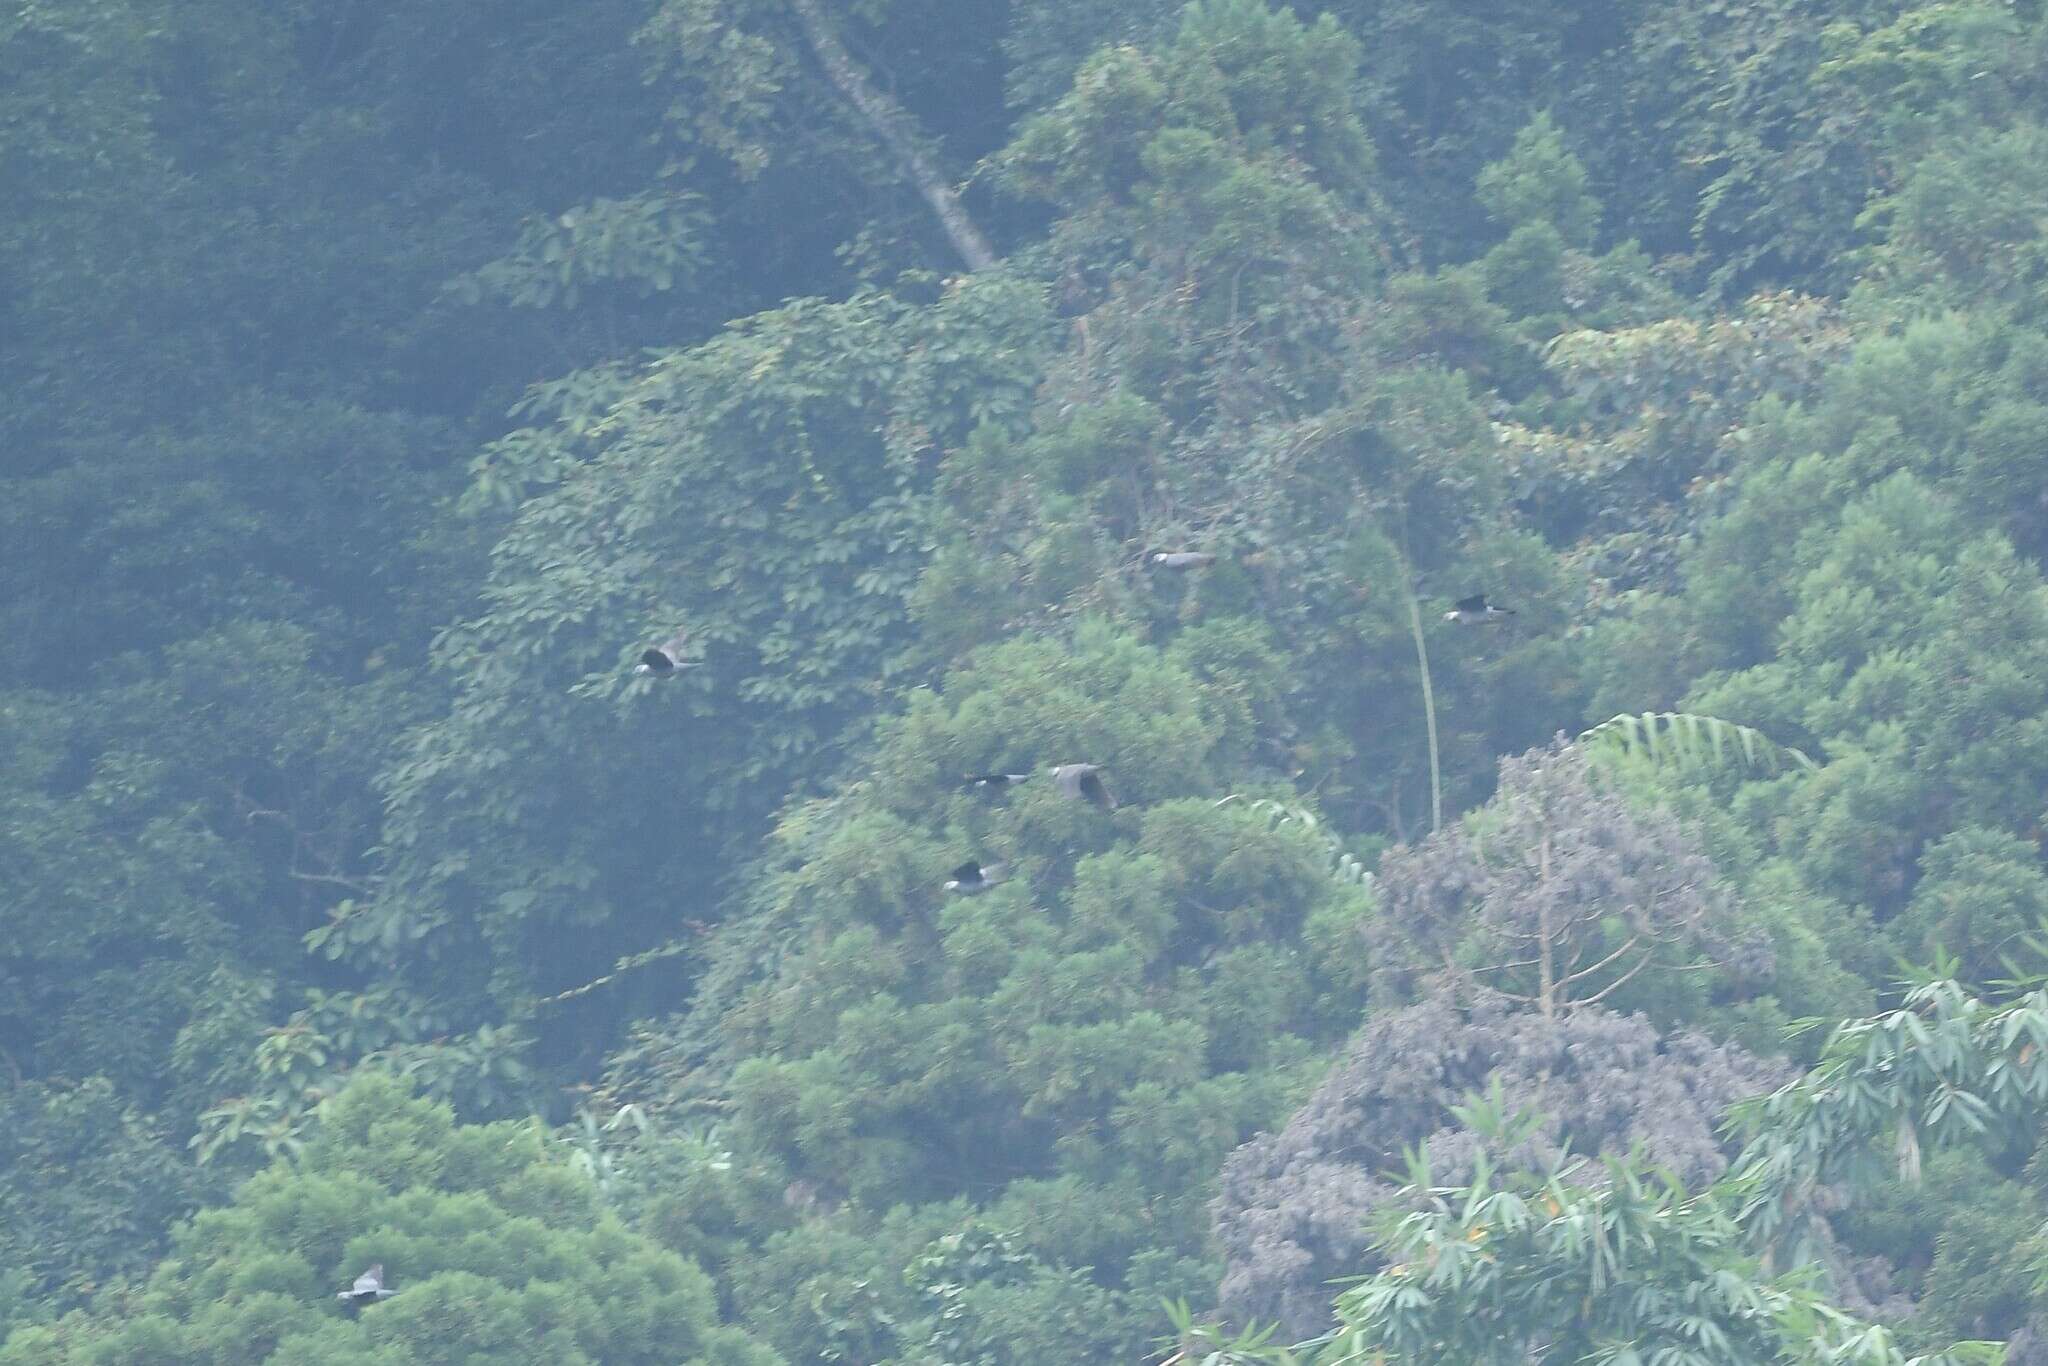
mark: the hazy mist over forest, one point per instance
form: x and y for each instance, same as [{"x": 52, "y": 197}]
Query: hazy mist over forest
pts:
[{"x": 1023, "y": 682}]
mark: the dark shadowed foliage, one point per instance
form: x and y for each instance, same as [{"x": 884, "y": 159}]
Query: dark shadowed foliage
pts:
[{"x": 88, "y": 1185}]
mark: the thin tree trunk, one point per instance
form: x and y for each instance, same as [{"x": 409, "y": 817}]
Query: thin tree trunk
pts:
[
  {"x": 1436, "y": 782},
  {"x": 1547, "y": 991},
  {"x": 890, "y": 122}
]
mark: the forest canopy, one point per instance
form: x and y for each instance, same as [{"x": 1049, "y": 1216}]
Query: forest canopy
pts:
[{"x": 905, "y": 683}]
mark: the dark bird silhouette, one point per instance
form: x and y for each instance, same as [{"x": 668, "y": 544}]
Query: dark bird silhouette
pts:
[
  {"x": 1083, "y": 782},
  {"x": 995, "y": 782},
  {"x": 368, "y": 1289},
  {"x": 971, "y": 877},
  {"x": 1184, "y": 559},
  {"x": 1474, "y": 611},
  {"x": 668, "y": 657}
]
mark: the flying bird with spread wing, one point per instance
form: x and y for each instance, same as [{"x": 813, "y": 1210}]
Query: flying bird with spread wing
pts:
[
  {"x": 974, "y": 876},
  {"x": 368, "y": 1289},
  {"x": 668, "y": 658},
  {"x": 1476, "y": 611},
  {"x": 1083, "y": 782}
]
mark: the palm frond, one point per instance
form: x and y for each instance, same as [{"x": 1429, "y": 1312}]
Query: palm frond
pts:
[
  {"x": 1343, "y": 866},
  {"x": 1672, "y": 738}
]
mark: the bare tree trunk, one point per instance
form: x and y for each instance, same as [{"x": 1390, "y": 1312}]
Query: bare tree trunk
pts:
[
  {"x": 890, "y": 123},
  {"x": 1546, "y": 993},
  {"x": 1436, "y": 782}
]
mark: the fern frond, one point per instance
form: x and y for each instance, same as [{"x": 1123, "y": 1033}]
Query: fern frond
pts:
[
  {"x": 1342, "y": 865},
  {"x": 1668, "y": 737}
]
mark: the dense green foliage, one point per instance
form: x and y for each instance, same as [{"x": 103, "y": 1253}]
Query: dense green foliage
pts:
[
  {"x": 511, "y": 1256},
  {"x": 382, "y": 378}
]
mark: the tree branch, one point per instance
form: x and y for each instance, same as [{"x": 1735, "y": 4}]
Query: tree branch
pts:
[
  {"x": 1582, "y": 973},
  {"x": 1503, "y": 967},
  {"x": 888, "y": 120},
  {"x": 1618, "y": 983}
]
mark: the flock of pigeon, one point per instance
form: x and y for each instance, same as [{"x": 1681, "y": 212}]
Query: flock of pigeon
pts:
[{"x": 1076, "y": 782}]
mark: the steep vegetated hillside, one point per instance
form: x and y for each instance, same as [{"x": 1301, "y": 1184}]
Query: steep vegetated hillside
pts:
[{"x": 1148, "y": 511}]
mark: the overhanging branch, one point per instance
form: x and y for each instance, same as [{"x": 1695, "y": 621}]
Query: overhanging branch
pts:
[{"x": 890, "y": 123}]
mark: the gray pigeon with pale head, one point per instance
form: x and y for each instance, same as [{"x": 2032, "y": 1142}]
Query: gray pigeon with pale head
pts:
[
  {"x": 1083, "y": 782},
  {"x": 667, "y": 658},
  {"x": 1184, "y": 559},
  {"x": 368, "y": 1289}
]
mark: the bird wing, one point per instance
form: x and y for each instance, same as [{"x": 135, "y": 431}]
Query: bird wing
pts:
[
  {"x": 969, "y": 871},
  {"x": 677, "y": 646},
  {"x": 1095, "y": 790},
  {"x": 370, "y": 1282},
  {"x": 1069, "y": 776},
  {"x": 1475, "y": 603},
  {"x": 655, "y": 658}
]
